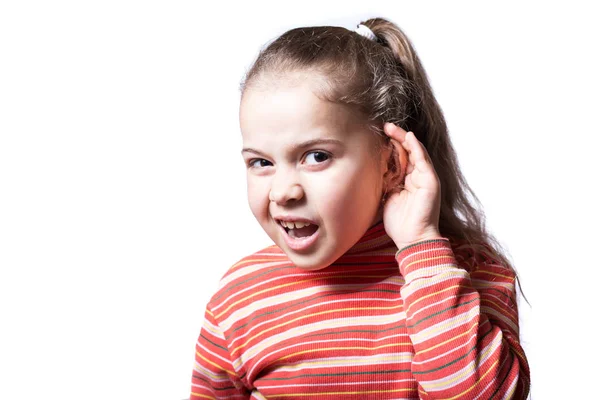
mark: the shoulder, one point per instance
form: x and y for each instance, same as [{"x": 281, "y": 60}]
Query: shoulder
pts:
[
  {"x": 485, "y": 267},
  {"x": 471, "y": 252},
  {"x": 248, "y": 271},
  {"x": 476, "y": 255}
]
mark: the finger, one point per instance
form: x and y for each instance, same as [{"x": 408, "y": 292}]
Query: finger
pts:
[
  {"x": 394, "y": 131},
  {"x": 416, "y": 151}
]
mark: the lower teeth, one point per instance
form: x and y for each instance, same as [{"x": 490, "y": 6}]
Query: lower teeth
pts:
[{"x": 292, "y": 233}]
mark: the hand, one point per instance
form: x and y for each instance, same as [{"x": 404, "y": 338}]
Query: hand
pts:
[{"x": 411, "y": 213}]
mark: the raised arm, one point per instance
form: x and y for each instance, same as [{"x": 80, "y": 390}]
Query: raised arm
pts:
[
  {"x": 214, "y": 376},
  {"x": 462, "y": 319}
]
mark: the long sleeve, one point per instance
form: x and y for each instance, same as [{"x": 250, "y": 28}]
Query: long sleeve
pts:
[
  {"x": 214, "y": 376},
  {"x": 462, "y": 320}
]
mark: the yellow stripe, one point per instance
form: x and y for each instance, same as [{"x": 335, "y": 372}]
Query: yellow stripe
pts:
[
  {"x": 497, "y": 306},
  {"x": 510, "y": 394},
  {"x": 420, "y": 282},
  {"x": 509, "y": 278},
  {"x": 216, "y": 333},
  {"x": 443, "y": 326},
  {"x": 473, "y": 386},
  {"x": 345, "y": 348},
  {"x": 209, "y": 373},
  {"x": 499, "y": 309},
  {"x": 519, "y": 353},
  {"x": 271, "y": 289},
  {"x": 467, "y": 371},
  {"x": 203, "y": 396},
  {"x": 264, "y": 291},
  {"x": 237, "y": 362},
  {"x": 449, "y": 340},
  {"x": 258, "y": 395},
  {"x": 429, "y": 259},
  {"x": 255, "y": 260},
  {"x": 214, "y": 365},
  {"x": 337, "y": 393},
  {"x": 356, "y": 361},
  {"x": 432, "y": 295},
  {"x": 476, "y": 383},
  {"x": 312, "y": 315},
  {"x": 482, "y": 284}
]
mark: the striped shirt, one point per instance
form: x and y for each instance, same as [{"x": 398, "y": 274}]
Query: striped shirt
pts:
[{"x": 436, "y": 319}]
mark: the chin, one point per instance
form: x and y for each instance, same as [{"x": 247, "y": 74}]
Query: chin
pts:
[
  {"x": 309, "y": 262},
  {"x": 307, "y": 266}
]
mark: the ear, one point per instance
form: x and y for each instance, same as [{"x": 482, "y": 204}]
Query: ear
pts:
[{"x": 396, "y": 162}]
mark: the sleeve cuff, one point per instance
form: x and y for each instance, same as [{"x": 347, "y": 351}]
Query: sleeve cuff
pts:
[{"x": 430, "y": 248}]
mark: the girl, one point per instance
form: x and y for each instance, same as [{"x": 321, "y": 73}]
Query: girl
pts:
[{"x": 382, "y": 282}]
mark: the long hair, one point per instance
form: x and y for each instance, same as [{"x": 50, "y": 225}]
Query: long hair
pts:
[{"x": 385, "y": 81}]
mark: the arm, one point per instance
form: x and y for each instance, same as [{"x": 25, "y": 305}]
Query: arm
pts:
[
  {"x": 214, "y": 376},
  {"x": 463, "y": 324}
]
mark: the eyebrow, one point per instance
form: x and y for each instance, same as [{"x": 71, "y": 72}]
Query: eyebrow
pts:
[{"x": 299, "y": 146}]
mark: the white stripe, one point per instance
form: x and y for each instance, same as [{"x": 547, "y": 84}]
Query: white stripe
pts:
[
  {"x": 200, "y": 345},
  {"x": 289, "y": 314},
  {"x": 338, "y": 362},
  {"x": 257, "y": 363},
  {"x": 437, "y": 303},
  {"x": 314, "y": 327},
  {"x": 444, "y": 326},
  {"x": 252, "y": 288},
  {"x": 282, "y": 298},
  {"x": 428, "y": 272},
  {"x": 424, "y": 283},
  {"x": 501, "y": 317},
  {"x": 288, "y": 277},
  {"x": 431, "y": 359},
  {"x": 481, "y": 284},
  {"x": 339, "y": 384},
  {"x": 407, "y": 259},
  {"x": 464, "y": 373},
  {"x": 213, "y": 330},
  {"x": 202, "y": 370},
  {"x": 511, "y": 388},
  {"x": 248, "y": 270}
]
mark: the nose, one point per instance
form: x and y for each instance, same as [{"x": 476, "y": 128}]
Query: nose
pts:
[{"x": 285, "y": 188}]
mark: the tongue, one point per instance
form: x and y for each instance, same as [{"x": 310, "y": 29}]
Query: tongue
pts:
[{"x": 303, "y": 232}]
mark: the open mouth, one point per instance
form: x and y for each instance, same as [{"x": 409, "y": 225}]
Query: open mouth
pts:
[{"x": 299, "y": 233}]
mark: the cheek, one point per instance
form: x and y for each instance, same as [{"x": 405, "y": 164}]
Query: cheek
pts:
[
  {"x": 258, "y": 196},
  {"x": 350, "y": 189}
]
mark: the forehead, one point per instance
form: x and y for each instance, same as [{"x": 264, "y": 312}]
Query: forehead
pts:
[{"x": 293, "y": 110}]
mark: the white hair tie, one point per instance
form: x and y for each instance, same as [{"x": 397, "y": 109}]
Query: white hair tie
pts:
[{"x": 364, "y": 30}]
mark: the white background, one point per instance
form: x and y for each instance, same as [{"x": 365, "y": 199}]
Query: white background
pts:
[{"x": 122, "y": 190}]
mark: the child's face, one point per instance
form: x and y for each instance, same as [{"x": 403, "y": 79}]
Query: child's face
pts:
[{"x": 338, "y": 186}]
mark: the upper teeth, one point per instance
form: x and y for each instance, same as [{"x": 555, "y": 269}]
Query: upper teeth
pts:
[{"x": 292, "y": 225}]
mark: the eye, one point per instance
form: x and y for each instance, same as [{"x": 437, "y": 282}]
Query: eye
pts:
[
  {"x": 261, "y": 162},
  {"x": 320, "y": 156}
]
